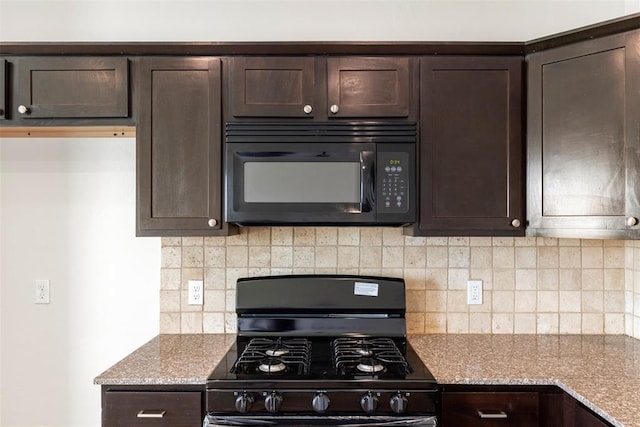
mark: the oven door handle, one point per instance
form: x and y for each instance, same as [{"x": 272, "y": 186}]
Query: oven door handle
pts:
[{"x": 339, "y": 421}]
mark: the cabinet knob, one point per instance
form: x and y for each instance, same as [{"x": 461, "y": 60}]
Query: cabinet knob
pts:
[
  {"x": 307, "y": 109},
  {"x": 334, "y": 109},
  {"x": 22, "y": 109},
  {"x": 631, "y": 221},
  {"x": 516, "y": 223},
  {"x": 212, "y": 222}
]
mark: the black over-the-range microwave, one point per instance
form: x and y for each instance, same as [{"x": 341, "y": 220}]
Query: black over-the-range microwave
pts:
[{"x": 324, "y": 173}]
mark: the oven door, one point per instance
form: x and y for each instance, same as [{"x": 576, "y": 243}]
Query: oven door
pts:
[{"x": 212, "y": 420}]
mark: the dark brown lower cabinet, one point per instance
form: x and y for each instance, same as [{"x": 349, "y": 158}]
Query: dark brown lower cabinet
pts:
[
  {"x": 490, "y": 409},
  {"x": 152, "y": 408}
]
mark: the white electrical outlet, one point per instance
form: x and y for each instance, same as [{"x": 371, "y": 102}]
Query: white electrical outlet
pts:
[
  {"x": 42, "y": 291},
  {"x": 474, "y": 291},
  {"x": 195, "y": 292}
]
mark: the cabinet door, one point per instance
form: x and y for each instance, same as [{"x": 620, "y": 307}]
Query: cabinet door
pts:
[
  {"x": 584, "y": 153},
  {"x": 485, "y": 409},
  {"x": 368, "y": 87},
  {"x": 154, "y": 408},
  {"x": 273, "y": 87},
  {"x": 471, "y": 146},
  {"x": 179, "y": 173},
  {"x": 3, "y": 89},
  {"x": 71, "y": 87},
  {"x": 585, "y": 418}
]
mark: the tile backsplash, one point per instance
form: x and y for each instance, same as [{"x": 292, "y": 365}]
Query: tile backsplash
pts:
[{"x": 530, "y": 285}]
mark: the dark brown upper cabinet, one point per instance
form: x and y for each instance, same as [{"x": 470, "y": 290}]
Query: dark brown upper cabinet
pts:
[
  {"x": 321, "y": 88},
  {"x": 3, "y": 89},
  {"x": 179, "y": 166},
  {"x": 471, "y": 147},
  {"x": 71, "y": 87},
  {"x": 583, "y": 139}
]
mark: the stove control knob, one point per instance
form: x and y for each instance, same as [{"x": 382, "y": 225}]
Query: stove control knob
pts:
[
  {"x": 399, "y": 403},
  {"x": 244, "y": 402},
  {"x": 320, "y": 402},
  {"x": 272, "y": 402},
  {"x": 369, "y": 402}
]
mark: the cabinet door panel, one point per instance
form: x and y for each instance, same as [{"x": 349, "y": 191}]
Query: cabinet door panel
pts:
[
  {"x": 583, "y": 140},
  {"x": 72, "y": 87},
  {"x": 471, "y": 146},
  {"x": 485, "y": 409},
  {"x": 368, "y": 87},
  {"x": 179, "y": 148},
  {"x": 272, "y": 87}
]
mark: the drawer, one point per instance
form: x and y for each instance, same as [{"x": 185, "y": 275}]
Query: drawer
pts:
[
  {"x": 133, "y": 408},
  {"x": 490, "y": 409}
]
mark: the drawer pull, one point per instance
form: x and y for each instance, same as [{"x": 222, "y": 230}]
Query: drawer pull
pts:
[
  {"x": 491, "y": 414},
  {"x": 151, "y": 413}
]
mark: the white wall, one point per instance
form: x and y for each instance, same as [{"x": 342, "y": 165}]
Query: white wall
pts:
[
  {"x": 68, "y": 216},
  {"x": 67, "y": 206}
]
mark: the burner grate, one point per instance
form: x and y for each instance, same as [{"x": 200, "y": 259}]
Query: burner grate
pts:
[
  {"x": 267, "y": 356},
  {"x": 368, "y": 356}
]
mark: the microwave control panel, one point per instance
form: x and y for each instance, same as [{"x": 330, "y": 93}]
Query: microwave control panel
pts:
[{"x": 393, "y": 178}]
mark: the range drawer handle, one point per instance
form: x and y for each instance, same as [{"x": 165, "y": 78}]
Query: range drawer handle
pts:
[
  {"x": 491, "y": 414},
  {"x": 151, "y": 413}
]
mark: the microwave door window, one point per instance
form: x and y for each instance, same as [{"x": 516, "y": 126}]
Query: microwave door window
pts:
[{"x": 302, "y": 182}]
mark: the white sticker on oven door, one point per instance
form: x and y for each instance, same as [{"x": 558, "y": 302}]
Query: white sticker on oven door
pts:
[{"x": 366, "y": 289}]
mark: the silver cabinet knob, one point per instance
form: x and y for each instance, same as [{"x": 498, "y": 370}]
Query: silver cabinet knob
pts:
[
  {"x": 307, "y": 109},
  {"x": 212, "y": 222},
  {"x": 631, "y": 221},
  {"x": 516, "y": 223},
  {"x": 334, "y": 109},
  {"x": 23, "y": 109}
]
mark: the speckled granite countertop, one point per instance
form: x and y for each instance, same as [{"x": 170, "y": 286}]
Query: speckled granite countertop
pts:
[{"x": 603, "y": 372}]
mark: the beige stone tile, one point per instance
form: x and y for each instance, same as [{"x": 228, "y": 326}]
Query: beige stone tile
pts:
[
  {"x": 239, "y": 239},
  {"x": 435, "y": 323},
  {"x": 230, "y": 301},
  {"x": 392, "y": 236},
  {"x": 592, "y": 279},
  {"x": 524, "y": 323},
  {"x": 213, "y": 323},
  {"x": 484, "y": 274},
  {"x": 548, "y": 301},
  {"x": 504, "y": 257},
  {"x": 331, "y": 270},
  {"x": 548, "y": 323},
  {"x": 481, "y": 257},
  {"x": 415, "y": 323},
  {"x": 486, "y": 306},
  {"x": 525, "y": 241},
  {"x": 326, "y": 256},
  {"x": 214, "y": 241},
  {"x": 262, "y": 271},
  {"x": 303, "y": 270},
  {"x": 237, "y": 256},
  {"x": 614, "y": 323},
  {"x": 458, "y": 241},
  {"x": 457, "y": 302},
  {"x": 526, "y": 257},
  {"x": 185, "y": 307},
  {"x": 259, "y": 256},
  {"x": 479, "y": 323},
  {"x": 371, "y": 236},
  {"x": 548, "y": 257},
  {"x": 170, "y": 323},
  {"x": 414, "y": 278},
  {"x": 614, "y": 279},
  {"x": 504, "y": 279},
  {"x": 592, "y": 323},
  {"x": 371, "y": 257},
  {"x": 437, "y": 257},
  {"x": 457, "y": 323},
  {"x": 591, "y": 243},
  {"x": 170, "y": 241},
  {"x": 191, "y": 323},
  {"x": 570, "y": 301},
  {"x": 592, "y": 257},
  {"x": 170, "y": 278},
  {"x": 503, "y": 241},
  {"x": 437, "y": 241},
  {"x": 459, "y": 257},
  {"x": 326, "y": 236},
  {"x": 192, "y": 256},
  {"x": 570, "y": 323},
  {"x": 570, "y": 279},
  {"x": 304, "y": 236},
  {"x": 192, "y": 241},
  {"x": 436, "y": 278},
  {"x": 169, "y": 301},
  {"x": 214, "y": 278},
  {"x": 282, "y": 236},
  {"x": 614, "y": 257},
  {"x": 416, "y": 301},
  {"x": 304, "y": 256},
  {"x": 614, "y": 302},
  {"x": 348, "y": 257},
  {"x": 214, "y": 300},
  {"x": 592, "y": 302},
  {"x": 233, "y": 274},
  {"x": 281, "y": 256},
  {"x": 568, "y": 242},
  {"x": 215, "y": 256},
  {"x": 349, "y": 236},
  {"x": 371, "y": 271},
  {"x": 415, "y": 257},
  {"x": 415, "y": 241},
  {"x": 392, "y": 272},
  {"x": 190, "y": 274},
  {"x": 392, "y": 257},
  {"x": 480, "y": 241},
  {"x": 259, "y": 236},
  {"x": 171, "y": 257},
  {"x": 457, "y": 278},
  {"x": 570, "y": 257},
  {"x": 503, "y": 301},
  {"x": 502, "y": 323},
  {"x": 548, "y": 279},
  {"x": 283, "y": 271},
  {"x": 230, "y": 323},
  {"x": 546, "y": 241},
  {"x": 525, "y": 302},
  {"x": 526, "y": 279},
  {"x": 435, "y": 301}
]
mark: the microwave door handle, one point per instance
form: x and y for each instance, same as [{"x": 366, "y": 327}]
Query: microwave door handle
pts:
[{"x": 363, "y": 168}]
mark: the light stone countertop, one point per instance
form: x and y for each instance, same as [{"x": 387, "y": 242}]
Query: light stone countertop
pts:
[{"x": 603, "y": 372}]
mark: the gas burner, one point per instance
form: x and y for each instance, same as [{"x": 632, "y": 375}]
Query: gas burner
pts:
[
  {"x": 277, "y": 352},
  {"x": 352, "y": 356},
  {"x": 272, "y": 366},
  {"x": 369, "y": 368}
]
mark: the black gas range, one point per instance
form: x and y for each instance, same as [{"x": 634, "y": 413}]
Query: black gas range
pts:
[{"x": 321, "y": 350}]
